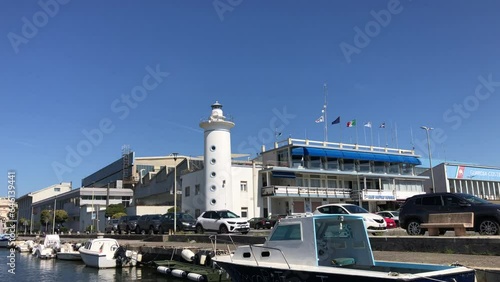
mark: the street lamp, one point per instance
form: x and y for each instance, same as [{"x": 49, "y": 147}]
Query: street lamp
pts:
[
  {"x": 54, "y": 217},
  {"x": 175, "y": 191},
  {"x": 427, "y": 129}
]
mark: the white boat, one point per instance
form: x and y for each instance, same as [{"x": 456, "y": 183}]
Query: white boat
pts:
[
  {"x": 24, "y": 246},
  {"x": 4, "y": 240},
  {"x": 107, "y": 253},
  {"x": 326, "y": 247},
  {"x": 69, "y": 252},
  {"x": 48, "y": 249}
]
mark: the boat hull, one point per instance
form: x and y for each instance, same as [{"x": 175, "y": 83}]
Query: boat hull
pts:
[
  {"x": 246, "y": 273},
  {"x": 97, "y": 260},
  {"x": 69, "y": 256}
]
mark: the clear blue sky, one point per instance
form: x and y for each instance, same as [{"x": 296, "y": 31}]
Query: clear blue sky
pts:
[{"x": 65, "y": 67}]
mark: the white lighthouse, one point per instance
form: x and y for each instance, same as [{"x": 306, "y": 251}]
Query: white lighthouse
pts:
[{"x": 217, "y": 158}]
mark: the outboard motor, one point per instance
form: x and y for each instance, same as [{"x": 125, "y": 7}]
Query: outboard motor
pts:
[{"x": 121, "y": 256}]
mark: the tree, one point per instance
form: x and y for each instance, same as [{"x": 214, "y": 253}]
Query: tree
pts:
[
  {"x": 45, "y": 218},
  {"x": 118, "y": 215},
  {"x": 23, "y": 222},
  {"x": 61, "y": 216},
  {"x": 113, "y": 209},
  {"x": 178, "y": 209}
]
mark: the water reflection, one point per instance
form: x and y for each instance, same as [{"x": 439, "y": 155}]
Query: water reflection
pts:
[{"x": 30, "y": 268}]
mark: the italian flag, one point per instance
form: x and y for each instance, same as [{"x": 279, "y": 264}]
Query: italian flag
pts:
[{"x": 351, "y": 123}]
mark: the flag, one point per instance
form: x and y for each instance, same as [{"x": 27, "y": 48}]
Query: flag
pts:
[
  {"x": 337, "y": 120},
  {"x": 320, "y": 119},
  {"x": 382, "y": 125},
  {"x": 278, "y": 133},
  {"x": 351, "y": 123},
  {"x": 368, "y": 124}
]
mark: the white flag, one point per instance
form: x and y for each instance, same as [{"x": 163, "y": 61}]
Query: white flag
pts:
[
  {"x": 320, "y": 119},
  {"x": 368, "y": 124}
]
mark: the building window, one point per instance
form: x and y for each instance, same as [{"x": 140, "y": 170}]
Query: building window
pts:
[
  {"x": 197, "y": 189},
  {"x": 57, "y": 189},
  {"x": 187, "y": 191},
  {"x": 213, "y": 174},
  {"x": 348, "y": 165},
  {"x": 394, "y": 168},
  {"x": 213, "y": 161},
  {"x": 213, "y": 202},
  {"x": 212, "y": 148},
  {"x": 244, "y": 212},
  {"x": 243, "y": 186},
  {"x": 213, "y": 188}
]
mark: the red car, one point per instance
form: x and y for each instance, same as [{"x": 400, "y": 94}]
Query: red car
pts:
[{"x": 390, "y": 223}]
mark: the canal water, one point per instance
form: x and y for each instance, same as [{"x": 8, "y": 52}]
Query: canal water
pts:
[{"x": 33, "y": 269}]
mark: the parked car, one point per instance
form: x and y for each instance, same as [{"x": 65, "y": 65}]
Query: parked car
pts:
[
  {"x": 222, "y": 221},
  {"x": 128, "y": 224},
  {"x": 390, "y": 214},
  {"x": 391, "y": 223},
  {"x": 184, "y": 222},
  {"x": 111, "y": 226},
  {"x": 416, "y": 210},
  {"x": 374, "y": 223},
  {"x": 148, "y": 224},
  {"x": 273, "y": 219},
  {"x": 257, "y": 222}
]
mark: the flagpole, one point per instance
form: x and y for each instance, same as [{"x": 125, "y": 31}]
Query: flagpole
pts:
[
  {"x": 396, "y": 132},
  {"x": 364, "y": 132},
  {"x": 324, "y": 115},
  {"x": 411, "y": 134},
  {"x": 356, "y": 125},
  {"x": 371, "y": 134}
]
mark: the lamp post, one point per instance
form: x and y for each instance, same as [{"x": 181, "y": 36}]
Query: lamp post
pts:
[
  {"x": 427, "y": 129},
  {"x": 54, "y": 217},
  {"x": 175, "y": 191}
]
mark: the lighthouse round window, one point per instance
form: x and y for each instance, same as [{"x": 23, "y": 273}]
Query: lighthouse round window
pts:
[
  {"x": 213, "y": 202},
  {"x": 212, "y": 161},
  {"x": 213, "y": 188},
  {"x": 212, "y": 148},
  {"x": 213, "y": 174}
]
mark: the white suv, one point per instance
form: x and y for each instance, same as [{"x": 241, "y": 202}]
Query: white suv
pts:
[
  {"x": 374, "y": 223},
  {"x": 222, "y": 221}
]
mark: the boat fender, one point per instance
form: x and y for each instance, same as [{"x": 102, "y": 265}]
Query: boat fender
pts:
[
  {"x": 178, "y": 273},
  {"x": 195, "y": 277},
  {"x": 139, "y": 257},
  {"x": 163, "y": 269},
  {"x": 187, "y": 255}
]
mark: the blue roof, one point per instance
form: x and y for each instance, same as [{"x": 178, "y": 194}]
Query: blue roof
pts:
[{"x": 355, "y": 155}]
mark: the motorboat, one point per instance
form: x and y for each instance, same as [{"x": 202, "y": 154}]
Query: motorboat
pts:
[
  {"x": 24, "y": 246},
  {"x": 49, "y": 248},
  {"x": 69, "y": 252},
  {"x": 107, "y": 253},
  {"x": 4, "y": 240},
  {"x": 326, "y": 247}
]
